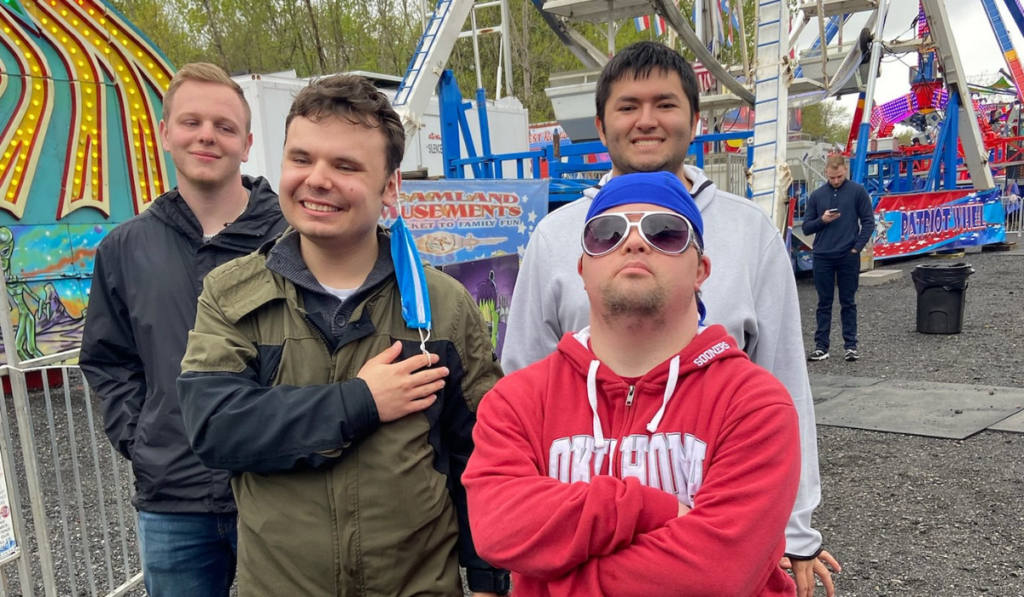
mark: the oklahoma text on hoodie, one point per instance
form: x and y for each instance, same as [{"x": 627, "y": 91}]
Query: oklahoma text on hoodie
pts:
[{"x": 577, "y": 474}]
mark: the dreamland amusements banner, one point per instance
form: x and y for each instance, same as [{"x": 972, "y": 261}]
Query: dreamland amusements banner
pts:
[
  {"x": 454, "y": 221},
  {"x": 917, "y": 223}
]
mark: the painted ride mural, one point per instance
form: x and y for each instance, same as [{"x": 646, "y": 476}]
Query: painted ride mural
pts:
[
  {"x": 81, "y": 92},
  {"x": 490, "y": 282}
]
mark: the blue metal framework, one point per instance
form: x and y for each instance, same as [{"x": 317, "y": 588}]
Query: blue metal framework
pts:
[
  {"x": 455, "y": 131},
  {"x": 889, "y": 174},
  {"x": 945, "y": 156},
  {"x": 1017, "y": 13},
  {"x": 566, "y": 162}
]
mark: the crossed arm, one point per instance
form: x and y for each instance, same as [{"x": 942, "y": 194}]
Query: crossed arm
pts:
[{"x": 618, "y": 536}]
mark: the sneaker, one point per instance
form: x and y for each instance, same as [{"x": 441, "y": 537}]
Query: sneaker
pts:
[
  {"x": 818, "y": 355},
  {"x": 851, "y": 354}
]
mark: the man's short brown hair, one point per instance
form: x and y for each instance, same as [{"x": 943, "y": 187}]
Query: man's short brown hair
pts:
[
  {"x": 355, "y": 99},
  {"x": 835, "y": 162},
  {"x": 204, "y": 72}
]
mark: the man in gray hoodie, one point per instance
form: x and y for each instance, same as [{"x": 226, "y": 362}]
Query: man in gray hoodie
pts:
[{"x": 647, "y": 113}]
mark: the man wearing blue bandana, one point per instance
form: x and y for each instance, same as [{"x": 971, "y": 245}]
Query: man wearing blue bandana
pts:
[
  {"x": 647, "y": 449},
  {"x": 307, "y": 376},
  {"x": 648, "y": 111}
]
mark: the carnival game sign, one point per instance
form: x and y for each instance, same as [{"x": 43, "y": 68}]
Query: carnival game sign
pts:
[
  {"x": 454, "y": 221},
  {"x": 915, "y": 223}
]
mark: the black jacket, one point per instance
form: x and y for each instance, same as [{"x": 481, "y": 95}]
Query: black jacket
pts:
[{"x": 146, "y": 282}]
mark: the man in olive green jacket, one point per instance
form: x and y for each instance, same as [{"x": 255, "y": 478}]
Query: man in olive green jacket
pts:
[{"x": 302, "y": 377}]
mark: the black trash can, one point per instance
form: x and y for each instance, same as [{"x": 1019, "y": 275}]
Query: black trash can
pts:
[{"x": 941, "y": 295}]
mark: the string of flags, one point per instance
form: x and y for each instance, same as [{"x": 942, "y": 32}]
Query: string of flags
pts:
[
  {"x": 725, "y": 19},
  {"x": 645, "y": 22},
  {"x": 728, "y": 15}
]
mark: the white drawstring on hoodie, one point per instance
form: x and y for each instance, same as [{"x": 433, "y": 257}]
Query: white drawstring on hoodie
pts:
[
  {"x": 670, "y": 388},
  {"x": 583, "y": 336},
  {"x": 592, "y": 396}
]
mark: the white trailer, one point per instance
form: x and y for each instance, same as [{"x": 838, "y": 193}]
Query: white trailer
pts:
[{"x": 270, "y": 97}]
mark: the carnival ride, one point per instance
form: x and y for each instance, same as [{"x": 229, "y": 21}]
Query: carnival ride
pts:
[
  {"x": 957, "y": 148},
  {"x": 934, "y": 158},
  {"x": 80, "y": 99},
  {"x": 81, "y": 92},
  {"x": 919, "y": 188}
]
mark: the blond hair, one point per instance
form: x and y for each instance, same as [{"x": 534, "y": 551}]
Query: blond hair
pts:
[
  {"x": 835, "y": 162},
  {"x": 204, "y": 72}
]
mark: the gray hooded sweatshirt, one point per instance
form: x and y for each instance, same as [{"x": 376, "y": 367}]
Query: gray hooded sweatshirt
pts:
[{"x": 751, "y": 291}]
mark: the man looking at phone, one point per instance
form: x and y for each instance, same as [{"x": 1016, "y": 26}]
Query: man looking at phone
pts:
[{"x": 840, "y": 217}]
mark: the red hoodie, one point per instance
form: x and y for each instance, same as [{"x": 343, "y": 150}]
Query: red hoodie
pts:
[{"x": 547, "y": 502}]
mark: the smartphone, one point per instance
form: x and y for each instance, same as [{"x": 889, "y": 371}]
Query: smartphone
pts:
[{"x": 833, "y": 211}]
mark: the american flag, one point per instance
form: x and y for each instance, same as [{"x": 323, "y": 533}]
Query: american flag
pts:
[{"x": 704, "y": 78}]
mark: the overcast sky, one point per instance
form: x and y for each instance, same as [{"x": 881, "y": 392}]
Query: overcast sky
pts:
[{"x": 979, "y": 52}]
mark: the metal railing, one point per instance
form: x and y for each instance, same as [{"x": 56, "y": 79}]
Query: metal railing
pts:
[
  {"x": 808, "y": 175},
  {"x": 77, "y": 532},
  {"x": 728, "y": 170},
  {"x": 1013, "y": 205}
]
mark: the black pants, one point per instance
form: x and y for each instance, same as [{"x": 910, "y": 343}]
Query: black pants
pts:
[{"x": 830, "y": 272}]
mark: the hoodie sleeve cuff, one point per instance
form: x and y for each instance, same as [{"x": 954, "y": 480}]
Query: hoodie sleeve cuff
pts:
[
  {"x": 494, "y": 580},
  {"x": 810, "y": 557}
]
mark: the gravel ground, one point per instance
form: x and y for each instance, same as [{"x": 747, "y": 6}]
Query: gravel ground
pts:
[
  {"x": 989, "y": 351},
  {"x": 921, "y": 516},
  {"x": 905, "y": 515}
]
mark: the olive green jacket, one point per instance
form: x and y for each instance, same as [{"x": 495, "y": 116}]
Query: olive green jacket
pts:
[{"x": 331, "y": 501}]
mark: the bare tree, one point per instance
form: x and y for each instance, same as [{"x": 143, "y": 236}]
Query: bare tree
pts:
[
  {"x": 215, "y": 35},
  {"x": 316, "y": 37}
]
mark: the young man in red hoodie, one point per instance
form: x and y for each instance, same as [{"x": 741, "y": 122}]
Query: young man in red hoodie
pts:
[{"x": 647, "y": 455}]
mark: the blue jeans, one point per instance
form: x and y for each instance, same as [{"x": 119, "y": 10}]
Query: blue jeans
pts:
[
  {"x": 829, "y": 272},
  {"x": 188, "y": 555}
]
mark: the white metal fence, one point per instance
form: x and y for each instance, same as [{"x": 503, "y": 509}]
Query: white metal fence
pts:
[
  {"x": 727, "y": 170},
  {"x": 76, "y": 531},
  {"x": 1013, "y": 205}
]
